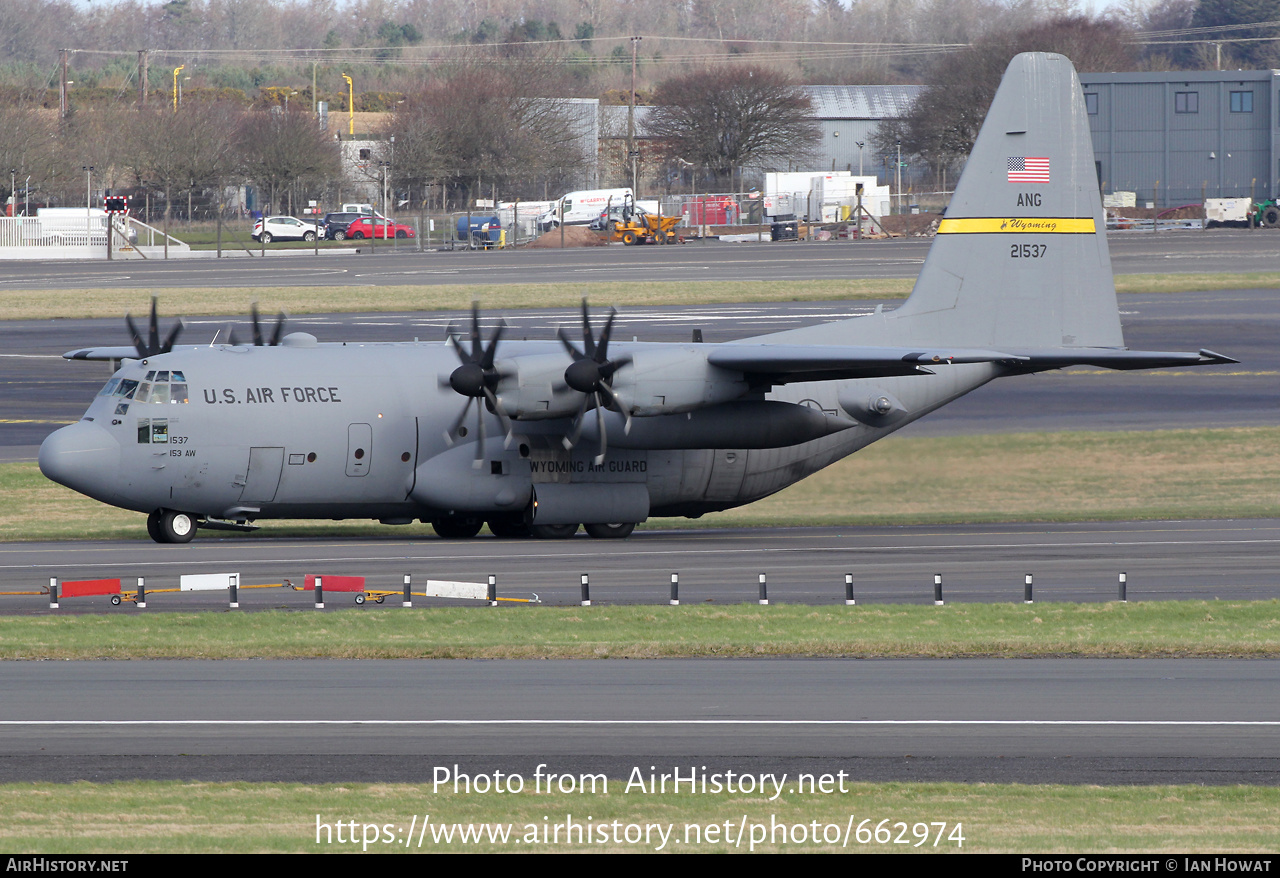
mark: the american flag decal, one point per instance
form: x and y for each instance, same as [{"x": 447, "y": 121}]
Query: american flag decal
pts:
[{"x": 1028, "y": 169}]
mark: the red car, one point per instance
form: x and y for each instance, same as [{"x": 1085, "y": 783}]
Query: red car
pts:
[{"x": 377, "y": 227}]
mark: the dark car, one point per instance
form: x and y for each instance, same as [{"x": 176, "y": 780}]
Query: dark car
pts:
[{"x": 335, "y": 225}]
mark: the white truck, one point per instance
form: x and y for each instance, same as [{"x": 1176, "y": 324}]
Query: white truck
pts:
[{"x": 580, "y": 208}]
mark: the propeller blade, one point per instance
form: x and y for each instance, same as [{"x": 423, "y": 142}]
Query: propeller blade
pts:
[
  {"x": 475, "y": 464},
  {"x": 154, "y": 336},
  {"x": 604, "y": 436},
  {"x": 498, "y": 410},
  {"x": 257, "y": 327},
  {"x": 569, "y": 441},
  {"x": 279, "y": 330},
  {"x": 588, "y": 340},
  {"x": 617, "y": 403},
  {"x": 172, "y": 337},
  {"x": 451, "y": 435},
  {"x": 137, "y": 336}
]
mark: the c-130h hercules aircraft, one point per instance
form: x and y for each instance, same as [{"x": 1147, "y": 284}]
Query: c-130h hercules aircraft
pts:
[{"x": 606, "y": 434}]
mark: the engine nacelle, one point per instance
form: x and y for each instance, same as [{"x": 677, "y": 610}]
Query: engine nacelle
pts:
[
  {"x": 533, "y": 388},
  {"x": 668, "y": 381}
]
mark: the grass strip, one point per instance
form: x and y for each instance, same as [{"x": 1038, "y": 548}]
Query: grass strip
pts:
[
  {"x": 177, "y": 817},
  {"x": 1206, "y": 629},
  {"x": 19, "y": 304},
  {"x": 1181, "y": 474}
]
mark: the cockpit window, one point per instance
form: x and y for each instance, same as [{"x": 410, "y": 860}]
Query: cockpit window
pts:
[{"x": 159, "y": 386}]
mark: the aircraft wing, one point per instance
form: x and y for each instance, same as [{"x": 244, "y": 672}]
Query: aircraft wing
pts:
[
  {"x": 787, "y": 363},
  {"x": 1113, "y": 358}
]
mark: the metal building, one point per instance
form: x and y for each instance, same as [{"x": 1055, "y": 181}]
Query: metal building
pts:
[
  {"x": 1179, "y": 137},
  {"x": 848, "y": 115}
]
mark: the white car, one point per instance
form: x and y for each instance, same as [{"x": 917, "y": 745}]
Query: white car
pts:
[{"x": 283, "y": 228}]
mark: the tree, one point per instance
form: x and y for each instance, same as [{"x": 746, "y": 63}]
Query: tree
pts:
[
  {"x": 505, "y": 124},
  {"x": 725, "y": 119},
  {"x": 1254, "y": 52},
  {"x": 280, "y": 150},
  {"x": 945, "y": 118}
]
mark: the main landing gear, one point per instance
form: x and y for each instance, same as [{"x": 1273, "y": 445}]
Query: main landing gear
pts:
[{"x": 171, "y": 526}]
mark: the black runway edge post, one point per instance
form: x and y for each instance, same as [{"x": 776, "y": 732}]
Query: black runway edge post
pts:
[
  {"x": 1026, "y": 591},
  {"x": 586, "y": 591},
  {"x": 764, "y": 592},
  {"x": 848, "y": 590},
  {"x": 675, "y": 589},
  {"x": 937, "y": 590},
  {"x": 141, "y": 603},
  {"x": 319, "y": 593},
  {"x": 407, "y": 599}
]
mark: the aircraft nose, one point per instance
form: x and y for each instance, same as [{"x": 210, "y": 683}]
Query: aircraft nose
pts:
[{"x": 82, "y": 456}]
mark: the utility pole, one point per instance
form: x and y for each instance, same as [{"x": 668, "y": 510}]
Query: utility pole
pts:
[
  {"x": 63, "y": 103},
  {"x": 632, "y": 153},
  {"x": 142, "y": 78}
]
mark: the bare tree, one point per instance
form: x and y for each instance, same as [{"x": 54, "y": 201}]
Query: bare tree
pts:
[
  {"x": 278, "y": 150},
  {"x": 727, "y": 118},
  {"x": 503, "y": 124},
  {"x": 945, "y": 119},
  {"x": 26, "y": 148}
]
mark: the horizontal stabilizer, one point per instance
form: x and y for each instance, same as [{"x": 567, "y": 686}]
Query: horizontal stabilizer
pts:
[
  {"x": 120, "y": 352},
  {"x": 1039, "y": 361}
]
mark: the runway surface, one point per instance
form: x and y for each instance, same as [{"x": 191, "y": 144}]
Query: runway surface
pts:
[
  {"x": 1038, "y": 721},
  {"x": 1208, "y": 560}
]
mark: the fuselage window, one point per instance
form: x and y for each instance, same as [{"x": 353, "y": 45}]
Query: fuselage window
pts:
[
  {"x": 178, "y": 393},
  {"x": 144, "y": 431},
  {"x": 127, "y": 388},
  {"x": 144, "y": 392},
  {"x": 110, "y": 388}
]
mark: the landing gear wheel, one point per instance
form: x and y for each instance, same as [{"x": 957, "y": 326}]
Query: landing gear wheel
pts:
[
  {"x": 457, "y": 527},
  {"x": 177, "y": 527},
  {"x": 610, "y": 531},
  {"x": 552, "y": 531},
  {"x": 629, "y": 237},
  {"x": 1271, "y": 217},
  {"x": 115, "y": 600},
  {"x": 265, "y": 238},
  {"x": 153, "y": 526},
  {"x": 508, "y": 528},
  {"x": 359, "y": 599}
]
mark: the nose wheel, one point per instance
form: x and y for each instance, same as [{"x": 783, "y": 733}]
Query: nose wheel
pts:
[{"x": 171, "y": 526}]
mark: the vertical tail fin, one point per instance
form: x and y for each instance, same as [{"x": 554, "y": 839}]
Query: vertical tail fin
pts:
[{"x": 1021, "y": 259}]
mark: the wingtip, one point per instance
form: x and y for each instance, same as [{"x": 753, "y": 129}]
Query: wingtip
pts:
[{"x": 1209, "y": 357}]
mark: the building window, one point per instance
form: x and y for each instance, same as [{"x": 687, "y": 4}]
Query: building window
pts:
[
  {"x": 1091, "y": 103},
  {"x": 1186, "y": 102},
  {"x": 1242, "y": 102}
]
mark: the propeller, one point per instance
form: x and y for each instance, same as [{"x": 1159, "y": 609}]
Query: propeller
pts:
[
  {"x": 258, "y": 338},
  {"x": 153, "y": 345},
  {"x": 589, "y": 374},
  {"x": 476, "y": 378}
]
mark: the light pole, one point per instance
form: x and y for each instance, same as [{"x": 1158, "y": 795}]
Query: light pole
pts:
[
  {"x": 899, "y": 169},
  {"x": 88, "y": 189},
  {"x": 351, "y": 106},
  {"x": 632, "y": 154},
  {"x": 13, "y": 192},
  {"x": 176, "y": 71},
  {"x": 860, "y": 144}
]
